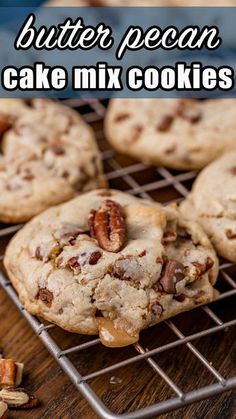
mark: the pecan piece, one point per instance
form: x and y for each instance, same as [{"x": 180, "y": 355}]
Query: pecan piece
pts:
[
  {"x": 4, "y": 124},
  {"x": 173, "y": 273},
  {"x": 38, "y": 253},
  {"x": 172, "y": 149},
  {"x": 202, "y": 268},
  {"x": 136, "y": 133},
  {"x": 70, "y": 237},
  {"x": 190, "y": 113},
  {"x": 7, "y": 372},
  {"x": 118, "y": 269},
  {"x": 65, "y": 174},
  {"x": 230, "y": 234},
  {"x": 57, "y": 150},
  {"x": 122, "y": 117},
  {"x": 165, "y": 123},
  {"x": 10, "y": 372},
  {"x": 74, "y": 264},
  {"x": 94, "y": 258},
  {"x": 233, "y": 171},
  {"x": 18, "y": 398},
  {"x": 142, "y": 254},
  {"x": 155, "y": 308},
  {"x": 107, "y": 226},
  {"x": 28, "y": 175},
  {"x": 180, "y": 298},
  {"x": 3, "y": 410},
  {"x": 45, "y": 296},
  {"x": 169, "y": 237}
]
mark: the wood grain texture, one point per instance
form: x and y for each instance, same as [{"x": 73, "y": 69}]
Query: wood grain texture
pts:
[{"x": 60, "y": 399}]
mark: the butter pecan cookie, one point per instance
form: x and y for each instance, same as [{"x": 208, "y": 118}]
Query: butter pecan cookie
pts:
[
  {"x": 204, "y": 3},
  {"x": 213, "y": 203},
  {"x": 49, "y": 155},
  {"x": 108, "y": 262},
  {"x": 106, "y": 3},
  {"x": 182, "y": 134}
]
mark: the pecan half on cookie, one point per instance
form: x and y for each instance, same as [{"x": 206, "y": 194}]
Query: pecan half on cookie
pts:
[{"x": 107, "y": 226}]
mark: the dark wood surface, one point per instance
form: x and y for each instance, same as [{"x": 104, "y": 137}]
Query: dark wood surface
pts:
[{"x": 60, "y": 399}]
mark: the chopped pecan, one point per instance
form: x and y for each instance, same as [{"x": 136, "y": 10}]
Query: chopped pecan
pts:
[
  {"x": 183, "y": 234},
  {"x": 169, "y": 237},
  {"x": 136, "y": 132},
  {"x": 57, "y": 150},
  {"x": 122, "y": 117},
  {"x": 173, "y": 273},
  {"x": 65, "y": 174},
  {"x": 38, "y": 253},
  {"x": 233, "y": 171},
  {"x": 45, "y": 255},
  {"x": 3, "y": 410},
  {"x": 159, "y": 260},
  {"x": 127, "y": 268},
  {"x": 74, "y": 264},
  {"x": 94, "y": 258},
  {"x": 4, "y": 124},
  {"x": 202, "y": 268},
  {"x": 189, "y": 112},
  {"x": 68, "y": 234},
  {"x": 27, "y": 175},
  {"x": 18, "y": 398},
  {"x": 165, "y": 123},
  {"x": 172, "y": 149},
  {"x": 7, "y": 372},
  {"x": 155, "y": 308},
  {"x": 180, "y": 298},
  {"x": 107, "y": 226},
  {"x": 142, "y": 254},
  {"x": 230, "y": 234},
  {"x": 118, "y": 270},
  {"x": 45, "y": 296},
  {"x": 10, "y": 372},
  {"x": 13, "y": 186}
]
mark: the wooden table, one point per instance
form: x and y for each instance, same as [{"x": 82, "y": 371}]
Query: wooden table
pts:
[{"x": 59, "y": 397}]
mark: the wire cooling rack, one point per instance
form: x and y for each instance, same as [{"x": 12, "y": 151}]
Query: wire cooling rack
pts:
[{"x": 128, "y": 376}]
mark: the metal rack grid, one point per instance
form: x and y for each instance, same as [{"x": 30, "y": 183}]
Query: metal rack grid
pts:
[{"x": 129, "y": 175}]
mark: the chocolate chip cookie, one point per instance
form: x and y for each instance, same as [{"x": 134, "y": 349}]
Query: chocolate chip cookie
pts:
[
  {"x": 49, "y": 155},
  {"x": 109, "y": 263},
  {"x": 177, "y": 133},
  {"x": 213, "y": 203}
]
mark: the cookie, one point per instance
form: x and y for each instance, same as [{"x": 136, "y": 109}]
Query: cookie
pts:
[
  {"x": 105, "y": 3},
  {"x": 213, "y": 203},
  {"x": 108, "y": 262},
  {"x": 49, "y": 156},
  {"x": 181, "y": 134},
  {"x": 204, "y": 3}
]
